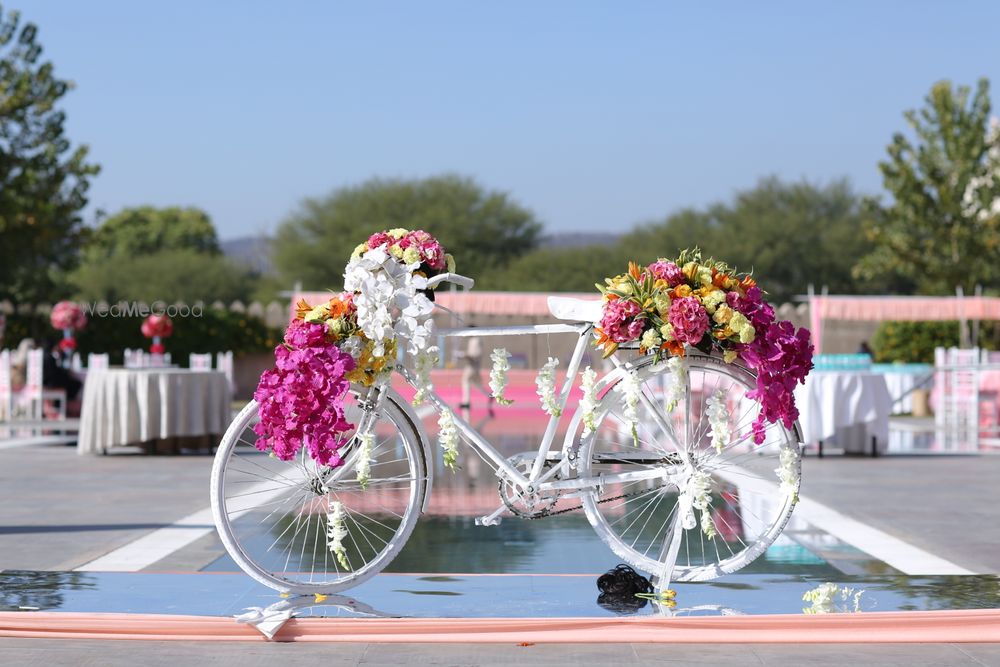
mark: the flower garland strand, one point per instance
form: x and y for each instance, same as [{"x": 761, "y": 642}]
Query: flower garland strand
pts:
[
  {"x": 718, "y": 419},
  {"x": 788, "y": 473},
  {"x": 423, "y": 362},
  {"x": 630, "y": 388},
  {"x": 498, "y": 375},
  {"x": 364, "y": 465},
  {"x": 448, "y": 439},
  {"x": 336, "y": 532},
  {"x": 546, "y": 383},
  {"x": 677, "y": 386},
  {"x": 699, "y": 487},
  {"x": 588, "y": 404}
]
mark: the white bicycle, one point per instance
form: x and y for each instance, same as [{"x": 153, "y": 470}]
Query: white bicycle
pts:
[{"x": 272, "y": 515}]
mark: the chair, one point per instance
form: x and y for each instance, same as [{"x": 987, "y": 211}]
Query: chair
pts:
[
  {"x": 76, "y": 362},
  {"x": 35, "y": 394},
  {"x": 6, "y": 388},
  {"x": 97, "y": 362},
  {"x": 200, "y": 362},
  {"x": 224, "y": 363}
]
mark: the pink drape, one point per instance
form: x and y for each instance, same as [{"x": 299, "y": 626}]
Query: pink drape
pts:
[
  {"x": 978, "y": 625},
  {"x": 524, "y": 304}
]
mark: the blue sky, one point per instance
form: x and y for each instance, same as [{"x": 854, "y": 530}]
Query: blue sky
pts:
[{"x": 596, "y": 115}]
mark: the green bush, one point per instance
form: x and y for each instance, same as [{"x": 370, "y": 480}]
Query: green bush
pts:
[
  {"x": 214, "y": 331},
  {"x": 914, "y": 342}
]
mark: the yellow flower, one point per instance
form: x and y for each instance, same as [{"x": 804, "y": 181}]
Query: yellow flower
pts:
[
  {"x": 318, "y": 314},
  {"x": 411, "y": 255},
  {"x": 335, "y": 326},
  {"x": 397, "y": 233},
  {"x": 360, "y": 250},
  {"x": 712, "y": 299},
  {"x": 682, "y": 291},
  {"x": 662, "y": 303},
  {"x": 747, "y": 334},
  {"x": 396, "y": 251},
  {"x": 729, "y": 356},
  {"x": 450, "y": 261},
  {"x": 667, "y": 332},
  {"x": 619, "y": 284},
  {"x": 723, "y": 314}
]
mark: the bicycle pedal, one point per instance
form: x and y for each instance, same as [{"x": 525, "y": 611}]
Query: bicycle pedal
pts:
[{"x": 488, "y": 520}]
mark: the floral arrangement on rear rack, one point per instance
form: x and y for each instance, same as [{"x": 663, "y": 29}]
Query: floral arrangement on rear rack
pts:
[
  {"x": 354, "y": 337},
  {"x": 711, "y": 307}
]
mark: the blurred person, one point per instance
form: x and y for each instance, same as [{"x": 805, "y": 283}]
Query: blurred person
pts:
[
  {"x": 472, "y": 367},
  {"x": 19, "y": 363},
  {"x": 865, "y": 349}
]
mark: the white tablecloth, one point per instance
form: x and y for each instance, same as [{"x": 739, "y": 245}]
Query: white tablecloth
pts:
[
  {"x": 849, "y": 406},
  {"x": 128, "y": 406}
]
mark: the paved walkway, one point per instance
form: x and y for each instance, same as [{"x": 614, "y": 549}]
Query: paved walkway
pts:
[
  {"x": 18, "y": 652},
  {"x": 59, "y": 511}
]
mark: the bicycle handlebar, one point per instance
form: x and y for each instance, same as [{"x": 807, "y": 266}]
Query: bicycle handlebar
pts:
[{"x": 461, "y": 281}]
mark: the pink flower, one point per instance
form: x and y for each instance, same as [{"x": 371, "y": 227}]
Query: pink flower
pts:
[
  {"x": 301, "y": 401},
  {"x": 618, "y": 320},
  {"x": 432, "y": 254},
  {"x": 688, "y": 319},
  {"x": 379, "y": 239},
  {"x": 68, "y": 315},
  {"x": 157, "y": 325},
  {"x": 664, "y": 270}
]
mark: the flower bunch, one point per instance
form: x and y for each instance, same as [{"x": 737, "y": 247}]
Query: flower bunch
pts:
[
  {"x": 670, "y": 305},
  {"x": 588, "y": 404},
  {"x": 157, "y": 326},
  {"x": 301, "y": 400},
  {"x": 448, "y": 439},
  {"x": 411, "y": 248},
  {"x": 336, "y": 531},
  {"x": 353, "y": 337},
  {"x": 68, "y": 315}
]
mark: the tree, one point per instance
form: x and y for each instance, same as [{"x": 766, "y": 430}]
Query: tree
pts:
[
  {"x": 159, "y": 254},
  {"x": 559, "y": 269},
  {"x": 147, "y": 230},
  {"x": 788, "y": 234},
  {"x": 484, "y": 230},
  {"x": 942, "y": 227},
  {"x": 43, "y": 180},
  {"x": 169, "y": 276}
]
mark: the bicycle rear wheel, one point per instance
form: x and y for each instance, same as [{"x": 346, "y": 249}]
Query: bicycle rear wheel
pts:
[
  {"x": 273, "y": 516},
  {"x": 747, "y": 491}
]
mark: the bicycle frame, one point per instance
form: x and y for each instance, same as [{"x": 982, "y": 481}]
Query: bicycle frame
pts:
[{"x": 536, "y": 480}]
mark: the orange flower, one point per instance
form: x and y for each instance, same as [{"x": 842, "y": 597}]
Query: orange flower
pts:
[
  {"x": 747, "y": 282},
  {"x": 302, "y": 309},
  {"x": 336, "y": 307},
  {"x": 634, "y": 270},
  {"x": 675, "y": 348},
  {"x": 680, "y": 290}
]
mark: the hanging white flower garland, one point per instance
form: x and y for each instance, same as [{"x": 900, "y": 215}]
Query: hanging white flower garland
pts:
[
  {"x": 788, "y": 473},
  {"x": 423, "y": 363},
  {"x": 336, "y": 532},
  {"x": 630, "y": 388},
  {"x": 546, "y": 383},
  {"x": 718, "y": 419},
  {"x": 448, "y": 439},
  {"x": 677, "y": 385},
  {"x": 588, "y": 404},
  {"x": 699, "y": 488},
  {"x": 364, "y": 464},
  {"x": 498, "y": 375}
]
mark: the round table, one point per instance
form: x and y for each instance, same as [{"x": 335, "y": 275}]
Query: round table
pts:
[
  {"x": 128, "y": 406},
  {"x": 851, "y": 407}
]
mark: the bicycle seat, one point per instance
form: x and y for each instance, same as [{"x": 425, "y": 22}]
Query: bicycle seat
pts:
[{"x": 575, "y": 310}]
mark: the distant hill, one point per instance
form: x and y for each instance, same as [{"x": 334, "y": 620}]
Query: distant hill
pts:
[
  {"x": 578, "y": 239},
  {"x": 255, "y": 251}
]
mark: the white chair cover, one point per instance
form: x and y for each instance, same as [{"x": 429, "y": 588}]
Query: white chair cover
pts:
[
  {"x": 6, "y": 387},
  {"x": 97, "y": 362},
  {"x": 200, "y": 362},
  {"x": 224, "y": 363}
]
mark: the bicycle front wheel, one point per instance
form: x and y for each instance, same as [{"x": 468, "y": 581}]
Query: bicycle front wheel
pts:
[
  {"x": 276, "y": 518},
  {"x": 722, "y": 499}
]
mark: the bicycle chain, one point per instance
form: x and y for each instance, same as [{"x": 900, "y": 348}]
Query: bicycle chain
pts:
[{"x": 546, "y": 513}]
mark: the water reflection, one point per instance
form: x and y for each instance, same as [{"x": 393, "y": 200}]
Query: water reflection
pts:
[{"x": 22, "y": 590}]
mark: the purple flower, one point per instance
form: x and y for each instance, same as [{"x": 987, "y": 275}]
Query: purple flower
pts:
[
  {"x": 688, "y": 319},
  {"x": 301, "y": 401}
]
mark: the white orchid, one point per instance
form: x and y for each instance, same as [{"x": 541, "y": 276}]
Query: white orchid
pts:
[
  {"x": 788, "y": 472},
  {"x": 546, "y": 387},
  {"x": 423, "y": 362},
  {"x": 718, "y": 419},
  {"x": 588, "y": 404},
  {"x": 498, "y": 375},
  {"x": 676, "y": 383},
  {"x": 363, "y": 467},
  {"x": 336, "y": 532},
  {"x": 630, "y": 388},
  {"x": 448, "y": 439}
]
